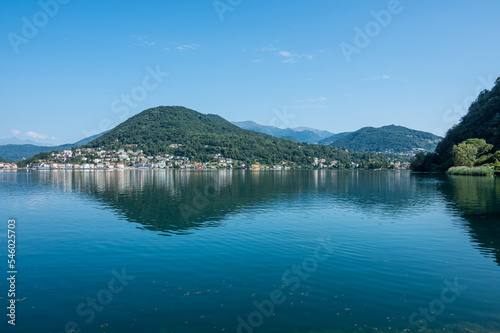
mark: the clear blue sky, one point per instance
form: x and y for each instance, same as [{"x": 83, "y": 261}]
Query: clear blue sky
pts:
[{"x": 283, "y": 63}]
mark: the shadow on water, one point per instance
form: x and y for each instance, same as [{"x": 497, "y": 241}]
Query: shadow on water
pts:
[{"x": 477, "y": 201}]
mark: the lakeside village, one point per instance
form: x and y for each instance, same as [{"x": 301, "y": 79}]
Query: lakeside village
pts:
[{"x": 104, "y": 159}]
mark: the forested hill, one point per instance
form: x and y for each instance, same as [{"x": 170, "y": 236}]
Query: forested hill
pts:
[
  {"x": 482, "y": 121},
  {"x": 184, "y": 132},
  {"x": 391, "y": 138},
  {"x": 199, "y": 136}
]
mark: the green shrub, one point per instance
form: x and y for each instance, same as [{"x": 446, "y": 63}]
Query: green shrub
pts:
[{"x": 475, "y": 171}]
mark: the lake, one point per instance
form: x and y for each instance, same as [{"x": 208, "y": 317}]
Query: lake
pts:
[{"x": 251, "y": 251}]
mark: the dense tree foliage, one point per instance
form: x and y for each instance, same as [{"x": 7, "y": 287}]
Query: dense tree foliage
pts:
[
  {"x": 467, "y": 152},
  {"x": 482, "y": 121},
  {"x": 391, "y": 138},
  {"x": 291, "y": 138}
]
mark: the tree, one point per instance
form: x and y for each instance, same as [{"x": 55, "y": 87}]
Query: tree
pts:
[{"x": 467, "y": 152}]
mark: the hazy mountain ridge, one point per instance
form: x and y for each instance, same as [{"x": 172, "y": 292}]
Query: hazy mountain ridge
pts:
[
  {"x": 16, "y": 152},
  {"x": 16, "y": 141},
  {"x": 392, "y": 138},
  {"x": 302, "y": 134}
]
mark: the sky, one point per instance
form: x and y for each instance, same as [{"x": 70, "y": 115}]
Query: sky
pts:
[{"x": 73, "y": 68}]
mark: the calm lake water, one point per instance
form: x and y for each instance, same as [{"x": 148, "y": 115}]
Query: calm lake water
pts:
[{"x": 249, "y": 251}]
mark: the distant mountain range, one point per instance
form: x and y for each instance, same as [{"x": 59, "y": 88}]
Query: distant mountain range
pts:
[
  {"x": 396, "y": 139},
  {"x": 301, "y": 134},
  {"x": 392, "y": 138},
  {"x": 15, "y": 141},
  {"x": 16, "y": 152}
]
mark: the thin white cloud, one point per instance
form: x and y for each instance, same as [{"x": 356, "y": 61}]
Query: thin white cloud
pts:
[
  {"x": 292, "y": 55},
  {"x": 143, "y": 40},
  {"x": 257, "y": 60},
  {"x": 380, "y": 77},
  {"x": 307, "y": 106},
  {"x": 36, "y": 135},
  {"x": 269, "y": 48},
  {"x": 312, "y": 100},
  {"x": 291, "y": 58},
  {"x": 187, "y": 47},
  {"x": 15, "y": 131},
  {"x": 310, "y": 103}
]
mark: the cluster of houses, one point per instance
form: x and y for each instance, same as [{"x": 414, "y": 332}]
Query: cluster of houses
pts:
[
  {"x": 401, "y": 166},
  {"x": 321, "y": 162},
  {"x": 100, "y": 158},
  {"x": 71, "y": 166},
  {"x": 8, "y": 166},
  {"x": 105, "y": 159}
]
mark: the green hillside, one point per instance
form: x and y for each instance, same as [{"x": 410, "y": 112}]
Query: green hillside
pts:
[
  {"x": 332, "y": 138},
  {"x": 199, "y": 136},
  {"x": 184, "y": 132},
  {"x": 482, "y": 121},
  {"x": 397, "y": 139},
  {"x": 291, "y": 138}
]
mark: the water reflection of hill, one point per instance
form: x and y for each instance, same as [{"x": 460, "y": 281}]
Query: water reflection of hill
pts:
[
  {"x": 477, "y": 201},
  {"x": 169, "y": 201}
]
